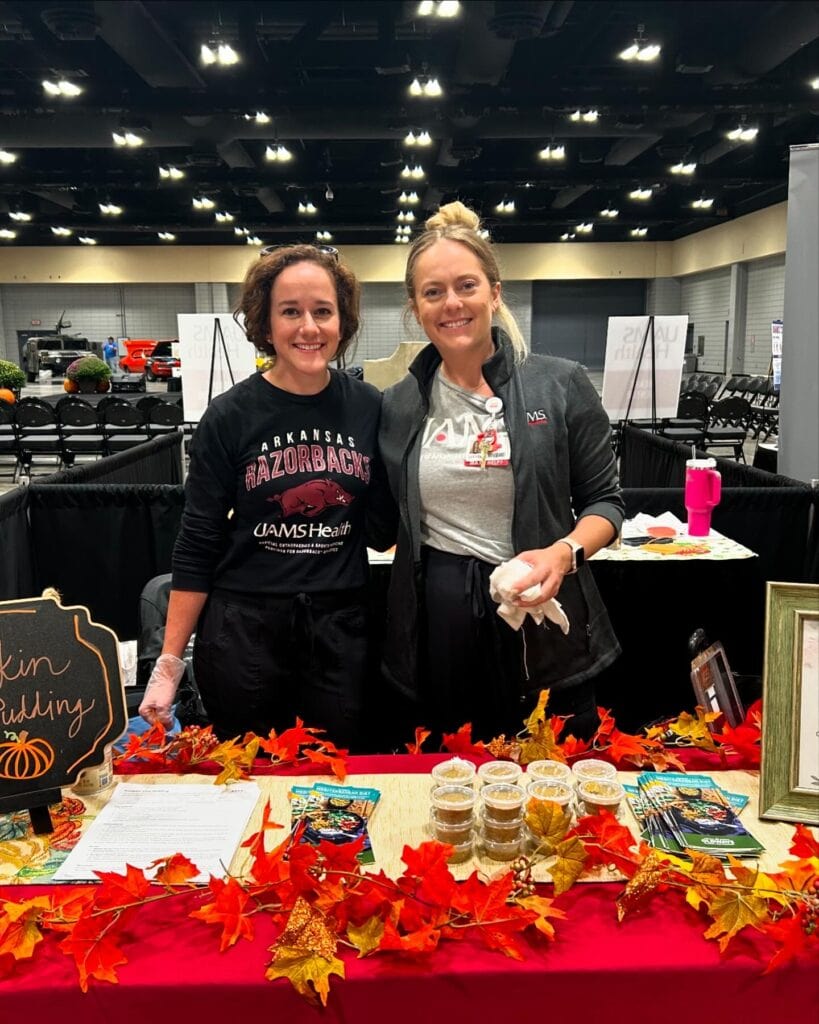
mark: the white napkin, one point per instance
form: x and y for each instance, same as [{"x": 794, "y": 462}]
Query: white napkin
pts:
[{"x": 501, "y": 584}]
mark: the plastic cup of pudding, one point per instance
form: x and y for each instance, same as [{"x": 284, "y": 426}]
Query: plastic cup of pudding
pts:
[
  {"x": 593, "y": 768},
  {"x": 502, "y": 802},
  {"x": 454, "y": 772},
  {"x": 598, "y": 795},
  {"x": 554, "y": 771},
  {"x": 446, "y": 832},
  {"x": 461, "y": 852},
  {"x": 502, "y": 851},
  {"x": 453, "y": 805},
  {"x": 499, "y": 771},
  {"x": 549, "y": 791},
  {"x": 502, "y": 832}
]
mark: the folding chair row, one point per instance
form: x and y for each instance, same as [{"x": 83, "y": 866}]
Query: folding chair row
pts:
[{"x": 723, "y": 424}]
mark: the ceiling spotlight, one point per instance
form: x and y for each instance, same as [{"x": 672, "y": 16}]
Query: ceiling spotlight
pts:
[
  {"x": 127, "y": 139},
  {"x": 641, "y": 194},
  {"x": 253, "y": 240},
  {"x": 640, "y": 49},
  {"x": 61, "y": 88},
  {"x": 483, "y": 233},
  {"x": 260, "y": 117},
  {"x": 7, "y": 233},
  {"x": 424, "y": 139},
  {"x": 589, "y": 116},
  {"x": 218, "y": 53},
  {"x": 278, "y": 154},
  {"x": 62, "y": 232},
  {"x": 323, "y": 236},
  {"x": 567, "y": 236},
  {"x": 402, "y": 240},
  {"x": 815, "y": 83},
  {"x": 86, "y": 240},
  {"x": 20, "y": 216},
  {"x": 638, "y": 232},
  {"x": 681, "y": 168},
  {"x": 584, "y": 229},
  {"x": 505, "y": 206},
  {"x": 408, "y": 199},
  {"x": 6, "y": 157},
  {"x": 171, "y": 173},
  {"x": 203, "y": 203},
  {"x": 441, "y": 9},
  {"x": 610, "y": 213},
  {"x": 307, "y": 207},
  {"x": 426, "y": 86},
  {"x": 553, "y": 153},
  {"x": 110, "y": 209},
  {"x": 742, "y": 133},
  {"x": 223, "y": 217},
  {"x": 409, "y": 138},
  {"x": 166, "y": 236},
  {"x": 702, "y": 203}
]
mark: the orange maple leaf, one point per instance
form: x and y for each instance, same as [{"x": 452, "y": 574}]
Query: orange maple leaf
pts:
[
  {"x": 484, "y": 905},
  {"x": 573, "y": 747},
  {"x": 421, "y": 735},
  {"x": 92, "y": 943},
  {"x": 286, "y": 745},
  {"x": 19, "y": 931},
  {"x": 121, "y": 890},
  {"x": 256, "y": 841},
  {"x": 791, "y": 939},
  {"x": 429, "y": 881},
  {"x": 606, "y": 841},
  {"x": 227, "y": 910},
  {"x": 804, "y": 844},
  {"x": 174, "y": 870},
  {"x": 423, "y": 939},
  {"x": 461, "y": 742},
  {"x": 337, "y": 764}
]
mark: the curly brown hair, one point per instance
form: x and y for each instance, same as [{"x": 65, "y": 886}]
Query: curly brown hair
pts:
[{"x": 254, "y": 300}]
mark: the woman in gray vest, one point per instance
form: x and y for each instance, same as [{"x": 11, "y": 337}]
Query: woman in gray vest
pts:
[{"x": 492, "y": 452}]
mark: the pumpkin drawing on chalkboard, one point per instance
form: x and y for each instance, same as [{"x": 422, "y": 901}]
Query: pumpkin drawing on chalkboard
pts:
[{"x": 24, "y": 758}]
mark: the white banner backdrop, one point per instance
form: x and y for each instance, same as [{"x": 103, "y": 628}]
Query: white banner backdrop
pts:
[
  {"x": 624, "y": 341},
  {"x": 199, "y": 347}
]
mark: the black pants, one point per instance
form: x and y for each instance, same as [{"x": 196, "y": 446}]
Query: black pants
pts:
[
  {"x": 260, "y": 661},
  {"x": 476, "y": 668}
]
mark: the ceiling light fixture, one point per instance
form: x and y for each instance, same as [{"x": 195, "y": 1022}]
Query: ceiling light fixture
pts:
[
  {"x": 323, "y": 236},
  {"x": 742, "y": 133},
  {"x": 551, "y": 152},
  {"x": 223, "y": 217},
  {"x": 6, "y": 157},
  {"x": 307, "y": 207},
  {"x": 408, "y": 199},
  {"x": 483, "y": 233},
  {"x": 86, "y": 240},
  {"x": 416, "y": 172},
  {"x": 505, "y": 206},
  {"x": 426, "y": 87},
  {"x": 20, "y": 216},
  {"x": 585, "y": 228},
  {"x": 402, "y": 240},
  {"x": 253, "y": 240},
  {"x": 203, "y": 203},
  {"x": 61, "y": 88},
  {"x": 641, "y": 194},
  {"x": 640, "y": 48},
  {"x": 567, "y": 236},
  {"x": 110, "y": 209},
  {"x": 681, "y": 168},
  {"x": 589, "y": 116},
  {"x": 7, "y": 233},
  {"x": 609, "y": 212},
  {"x": 703, "y": 203},
  {"x": 171, "y": 173},
  {"x": 259, "y": 117},
  {"x": 815, "y": 83},
  {"x": 221, "y": 54},
  {"x": 638, "y": 232},
  {"x": 62, "y": 232},
  {"x": 278, "y": 154},
  {"x": 441, "y": 9},
  {"x": 127, "y": 139},
  {"x": 166, "y": 236}
]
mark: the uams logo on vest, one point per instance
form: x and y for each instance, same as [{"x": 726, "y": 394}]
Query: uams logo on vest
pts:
[
  {"x": 312, "y": 498},
  {"x": 537, "y": 418}
]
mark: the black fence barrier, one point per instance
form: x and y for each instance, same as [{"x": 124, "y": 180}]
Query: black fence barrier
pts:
[
  {"x": 158, "y": 461},
  {"x": 17, "y": 578}
]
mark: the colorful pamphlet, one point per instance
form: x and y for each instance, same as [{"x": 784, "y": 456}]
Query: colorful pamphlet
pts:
[
  {"x": 334, "y": 814},
  {"x": 690, "y": 812}
]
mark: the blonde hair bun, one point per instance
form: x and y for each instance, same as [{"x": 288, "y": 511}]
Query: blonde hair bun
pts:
[{"x": 452, "y": 215}]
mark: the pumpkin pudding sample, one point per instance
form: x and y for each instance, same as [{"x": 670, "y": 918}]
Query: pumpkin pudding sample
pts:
[
  {"x": 446, "y": 832},
  {"x": 502, "y": 851},
  {"x": 600, "y": 794},
  {"x": 454, "y": 772},
  {"x": 502, "y": 832},
  {"x": 453, "y": 805},
  {"x": 549, "y": 791},
  {"x": 499, "y": 771},
  {"x": 554, "y": 771},
  {"x": 593, "y": 768},
  {"x": 461, "y": 852},
  {"x": 502, "y": 802}
]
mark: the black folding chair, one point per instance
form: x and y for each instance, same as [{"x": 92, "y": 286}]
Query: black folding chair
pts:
[
  {"x": 80, "y": 431},
  {"x": 37, "y": 434},
  {"x": 8, "y": 439},
  {"x": 728, "y": 424},
  {"x": 123, "y": 426}
]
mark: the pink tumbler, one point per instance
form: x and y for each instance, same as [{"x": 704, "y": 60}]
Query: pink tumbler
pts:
[{"x": 703, "y": 486}]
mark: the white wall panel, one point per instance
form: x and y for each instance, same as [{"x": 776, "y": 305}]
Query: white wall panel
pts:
[
  {"x": 766, "y": 302},
  {"x": 706, "y": 300}
]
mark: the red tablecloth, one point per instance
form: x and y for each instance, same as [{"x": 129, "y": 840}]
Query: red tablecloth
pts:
[{"x": 597, "y": 970}]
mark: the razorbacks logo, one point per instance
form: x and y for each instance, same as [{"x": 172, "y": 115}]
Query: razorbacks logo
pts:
[{"x": 311, "y": 498}]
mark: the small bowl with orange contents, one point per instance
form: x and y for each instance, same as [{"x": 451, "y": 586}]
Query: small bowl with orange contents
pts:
[
  {"x": 551, "y": 771},
  {"x": 596, "y": 795},
  {"x": 453, "y": 805},
  {"x": 502, "y": 802},
  {"x": 494, "y": 772},
  {"x": 541, "y": 791},
  {"x": 454, "y": 772},
  {"x": 592, "y": 768}
]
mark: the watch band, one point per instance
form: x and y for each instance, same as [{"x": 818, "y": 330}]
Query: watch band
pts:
[{"x": 578, "y": 553}]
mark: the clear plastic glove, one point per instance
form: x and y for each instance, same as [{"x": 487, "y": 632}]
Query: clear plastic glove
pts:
[{"x": 157, "y": 703}]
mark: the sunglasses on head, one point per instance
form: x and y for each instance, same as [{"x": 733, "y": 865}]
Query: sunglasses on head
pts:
[{"x": 328, "y": 250}]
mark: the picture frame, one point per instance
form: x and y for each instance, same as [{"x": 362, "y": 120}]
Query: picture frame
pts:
[{"x": 789, "y": 773}]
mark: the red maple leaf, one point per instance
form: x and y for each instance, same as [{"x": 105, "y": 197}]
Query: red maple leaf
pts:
[
  {"x": 460, "y": 742},
  {"x": 92, "y": 942},
  {"x": 607, "y": 723},
  {"x": 256, "y": 841},
  {"x": 606, "y": 842},
  {"x": 423, "y": 939},
  {"x": 421, "y": 735},
  {"x": 573, "y": 747},
  {"x": 334, "y": 760},
  {"x": 430, "y": 881},
  {"x": 369, "y": 896},
  {"x": 227, "y": 910},
  {"x": 791, "y": 939},
  {"x": 285, "y": 746},
  {"x": 804, "y": 843},
  {"x": 121, "y": 890},
  {"x": 175, "y": 870},
  {"x": 484, "y": 903}
]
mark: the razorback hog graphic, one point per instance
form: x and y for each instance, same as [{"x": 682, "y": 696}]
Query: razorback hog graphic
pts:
[{"x": 311, "y": 498}]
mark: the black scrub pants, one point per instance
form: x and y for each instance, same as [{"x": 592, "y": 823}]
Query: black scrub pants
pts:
[
  {"x": 261, "y": 660},
  {"x": 477, "y": 669}
]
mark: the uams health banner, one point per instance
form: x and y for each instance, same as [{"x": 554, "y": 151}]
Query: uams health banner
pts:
[{"x": 625, "y": 340}]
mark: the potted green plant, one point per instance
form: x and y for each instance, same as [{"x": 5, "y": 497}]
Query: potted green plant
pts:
[
  {"x": 89, "y": 373},
  {"x": 12, "y": 378}
]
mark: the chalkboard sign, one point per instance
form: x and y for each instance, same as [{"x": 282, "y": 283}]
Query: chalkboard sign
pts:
[{"x": 61, "y": 699}]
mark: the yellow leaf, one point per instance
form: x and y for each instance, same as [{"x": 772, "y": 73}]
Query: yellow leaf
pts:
[
  {"x": 366, "y": 937},
  {"x": 733, "y": 910},
  {"x": 571, "y": 856},
  {"x": 548, "y": 822},
  {"x": 19, "y": 931},
  {"x": 309, "y": 930},
  {"x": 542, "y": 906},
  {"x": 308, "y": 973},
  {"x": 695, "y": 729},
  {"x": 538, "y": 715}
]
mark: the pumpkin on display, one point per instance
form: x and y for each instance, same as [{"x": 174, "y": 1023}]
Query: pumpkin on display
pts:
[
  {"x": 70, "y": 386},
  {"x": 24, "y": 758},
  {"x": 7, "y": 395}
]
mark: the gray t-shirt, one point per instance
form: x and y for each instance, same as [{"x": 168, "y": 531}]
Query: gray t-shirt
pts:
[{"x": 466, "y": 481}]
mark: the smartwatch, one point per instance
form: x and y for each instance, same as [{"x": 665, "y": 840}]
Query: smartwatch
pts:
[{"x": 578, "y": 553}]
